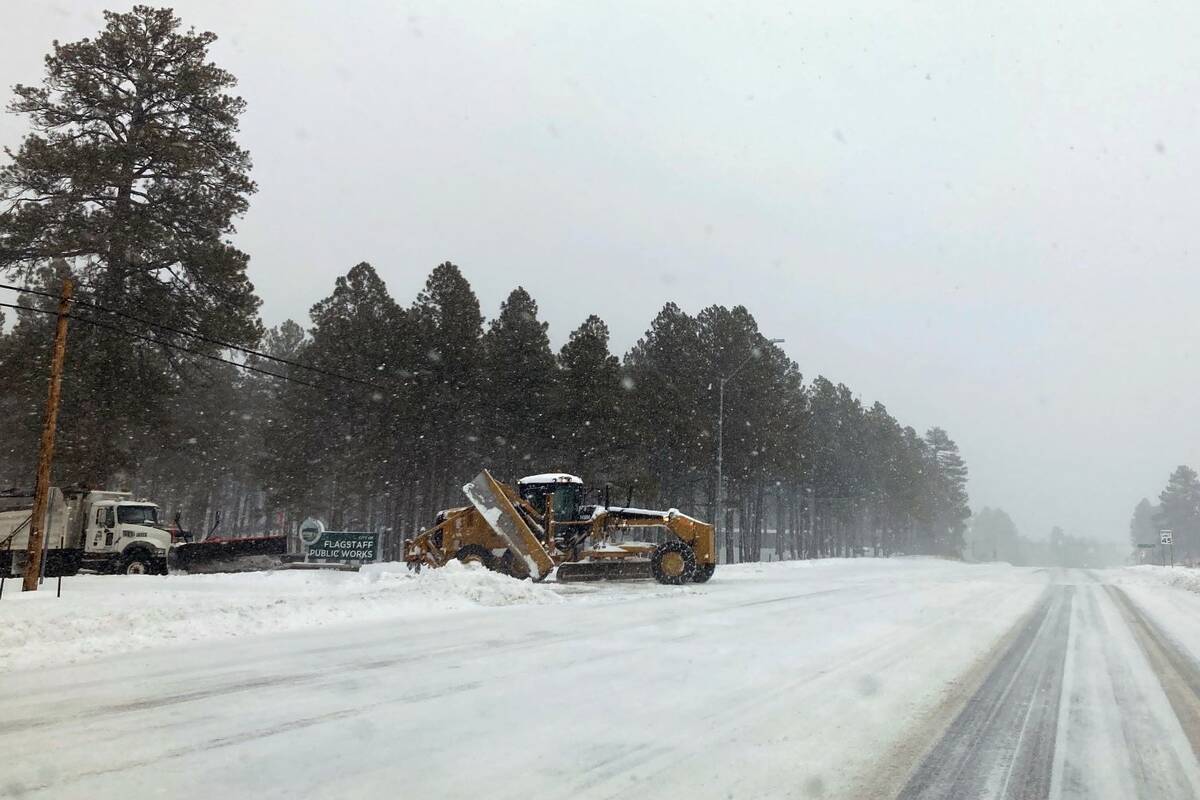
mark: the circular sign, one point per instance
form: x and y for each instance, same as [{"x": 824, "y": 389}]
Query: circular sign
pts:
[{"x": 311, "y": 530}]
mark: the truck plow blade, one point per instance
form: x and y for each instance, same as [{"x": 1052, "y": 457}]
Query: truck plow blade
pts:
[
  {"x": 223, "y": 555},
  {"x": 616, "y": 570},
  {"x": 497, "y": 510}
]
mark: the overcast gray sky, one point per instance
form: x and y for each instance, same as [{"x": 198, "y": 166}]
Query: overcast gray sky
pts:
[{"x": 982, "y": 215}]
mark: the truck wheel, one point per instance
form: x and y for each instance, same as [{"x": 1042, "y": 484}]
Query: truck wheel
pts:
[
  {"x": 703, "y": 572},
  {"x": 137, "y": 564},
  {"x": 476, "y": 554},
  {"x": 673, "y": 562}
]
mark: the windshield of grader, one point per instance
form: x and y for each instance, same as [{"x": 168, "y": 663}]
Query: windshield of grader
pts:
[{"x": 567, "y": 498}]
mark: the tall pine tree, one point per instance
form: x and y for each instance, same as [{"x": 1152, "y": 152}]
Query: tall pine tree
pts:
[
  {"x": 519, "y": 376},
  {"x": 449, "y": 378},
  {"x": 132, "y": 177},
  {"x": 359, "y": 331},
  {"x": 591, "y": 434},
  {"x": 949, "y": 490},
  {"x": 672, "y": 418}
]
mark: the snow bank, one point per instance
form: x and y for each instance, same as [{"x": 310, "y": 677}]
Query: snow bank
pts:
[
  {"x": 100, "y": 615},
  {"x": 103, "y": 614},
  {"x": 1179, "y": 577}
]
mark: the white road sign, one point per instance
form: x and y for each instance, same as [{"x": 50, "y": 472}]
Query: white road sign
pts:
[{"x": 311, "y": 530}]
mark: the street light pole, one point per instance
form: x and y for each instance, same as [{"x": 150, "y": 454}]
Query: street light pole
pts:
[
  {"x": 720, "y": 512},
  {"x": 719, "y": 522}
]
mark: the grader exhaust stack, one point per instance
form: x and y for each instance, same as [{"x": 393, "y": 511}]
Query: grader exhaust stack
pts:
[{"x": 544, "y": 524}]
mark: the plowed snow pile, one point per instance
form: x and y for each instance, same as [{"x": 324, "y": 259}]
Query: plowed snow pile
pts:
[
  {"x": 102, "y": 614},
  {"x": 1152, "y": 575}
]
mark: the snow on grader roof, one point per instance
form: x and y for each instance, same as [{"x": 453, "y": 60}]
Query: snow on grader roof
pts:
[
  {"x": 535, "y": 529},
  {"x": 550, "y": 477}
]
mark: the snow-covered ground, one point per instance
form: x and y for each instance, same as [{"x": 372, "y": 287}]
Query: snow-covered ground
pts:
[
  {"x": 102, "y": 614},
  {"x": 1153, "y": 575},
  {"x": 1170, "y": 596},
  {"x": 795, "y": 679}
]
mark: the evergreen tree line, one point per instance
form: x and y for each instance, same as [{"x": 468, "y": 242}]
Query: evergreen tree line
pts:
[
  {"x": 1177, "y": 510},
  {"x": 438, "y": 394},
  {"x": 130, "y": 181}
]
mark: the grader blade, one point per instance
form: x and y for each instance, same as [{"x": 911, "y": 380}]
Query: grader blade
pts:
[
  {"x": 616, "y": 570},
  {"x": 496, "y": 509}
]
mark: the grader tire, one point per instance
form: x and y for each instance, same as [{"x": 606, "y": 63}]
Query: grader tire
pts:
[
  {"x": 703, "y": 572},
  {"x": 673, "y": 563},
  {"x": 512, "y": 566},
  {"x": 476, "y": 554}
]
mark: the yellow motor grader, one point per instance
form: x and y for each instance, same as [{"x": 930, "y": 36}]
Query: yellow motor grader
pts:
[{"x": 544, "y": 524}]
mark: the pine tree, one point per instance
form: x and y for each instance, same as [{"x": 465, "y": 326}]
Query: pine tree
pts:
[
  {"x": 838, "y": 472},
  {"x": 520, "y": 381},
  {"x": 994, "y": 537},
  {"x": 358, "y": 331},
  {"x": 1142, "y": 528},
  {"x": 883, "y": 441},
  {"x": 449, "y": 377},
  {"x": 754, "y": 373},
  {"x": 670, "y": 413},
  {"x": 1179, "y": 511},
  {"x": 24, "y": 362},
  {"x": 132, "y": 176},
  {"x": 282, "y": 410},
  {"x": 590, "y": 403},
  {"x": 949, "y": 474}
]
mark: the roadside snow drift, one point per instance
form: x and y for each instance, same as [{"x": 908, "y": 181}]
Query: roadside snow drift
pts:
[{"x": 102, "y": 614}]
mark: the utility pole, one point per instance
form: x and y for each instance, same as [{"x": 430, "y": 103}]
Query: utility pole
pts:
[{"x": 41, "y": 486}]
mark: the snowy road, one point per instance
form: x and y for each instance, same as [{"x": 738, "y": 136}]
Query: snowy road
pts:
[
  {"x": 906, "y": 678},
  {"x": 1002, "y": 744},
  {"x": 1092, "y": 699}
]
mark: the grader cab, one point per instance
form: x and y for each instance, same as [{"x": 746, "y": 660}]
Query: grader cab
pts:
[{"x": 544, "y": 524}]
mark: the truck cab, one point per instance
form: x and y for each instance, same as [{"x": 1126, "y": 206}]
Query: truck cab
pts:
[
  {"x": 123, "y": 535},
  {"x": 84, "y": 528}
]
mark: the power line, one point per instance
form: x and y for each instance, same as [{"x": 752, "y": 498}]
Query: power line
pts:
[
  {"x": 199, "y": 336},
  {"x": 169, "y": 345}
]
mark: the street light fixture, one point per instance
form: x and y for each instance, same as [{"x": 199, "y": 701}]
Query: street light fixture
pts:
[{"x": 755, "y": 352}]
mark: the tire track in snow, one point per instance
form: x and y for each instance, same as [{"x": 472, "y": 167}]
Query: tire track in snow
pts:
[
  {"x": 1068, "y": 712},
  {"x": 1118, "y": 736},
  {"x": 896, "y": 768},
  {"x": 1002, "y": 742},
  {"x": 1177, "y": 671}
]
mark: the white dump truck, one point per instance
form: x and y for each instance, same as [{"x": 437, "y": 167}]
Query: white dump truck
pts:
[
  {"x": 103, "y": 531},
  {"x": 85, "y": 529}
]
